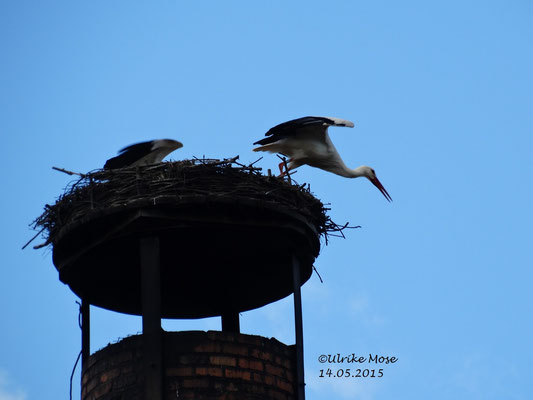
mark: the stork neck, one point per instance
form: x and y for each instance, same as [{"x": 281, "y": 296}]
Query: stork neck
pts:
[{"x": 343, "y": 170}]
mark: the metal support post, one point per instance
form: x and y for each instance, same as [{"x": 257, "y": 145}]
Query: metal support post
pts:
[
  {"x": 85, "y": 333},
  {"x": 151, "y": 317},
  {"x": 230, "y": 322},
  {"x": 298, "y": 324}
]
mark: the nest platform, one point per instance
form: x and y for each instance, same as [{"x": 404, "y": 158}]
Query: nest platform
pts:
[{"x": 227, "y": 235}]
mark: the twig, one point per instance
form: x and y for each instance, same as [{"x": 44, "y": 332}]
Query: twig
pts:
[
  {"x": 33, "y": 238},
  {"x": 68, "y": 172},
  {"x": 40, "y": 246},
  {"x": 259, "y": 159},
  {"x": 248, "y": 167},
  {"x": 228, "y": 160},
  {"x": 216, "y": 162},
  {"x": 319, "y": 277},
  {"x": 346, "y": 226},
  {"x": 333, "y": 227}
]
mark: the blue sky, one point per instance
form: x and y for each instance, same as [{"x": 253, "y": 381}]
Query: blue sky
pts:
[{"x": 441, "y": 97}]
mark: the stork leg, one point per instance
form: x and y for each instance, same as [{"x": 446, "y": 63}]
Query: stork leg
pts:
[
  {"x": 281, "y": 172},
  {"x": 281, "y": 164}
]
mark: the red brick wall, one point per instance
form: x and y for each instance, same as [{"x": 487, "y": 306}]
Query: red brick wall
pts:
[{"x": 198, "y": 365}]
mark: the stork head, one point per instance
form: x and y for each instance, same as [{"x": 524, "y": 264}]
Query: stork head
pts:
[
  {"x": 168, "y": 144},
  {"x": 370, "y": 174}
]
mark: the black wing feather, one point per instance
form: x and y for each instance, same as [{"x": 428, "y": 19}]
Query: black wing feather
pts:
[
  {"x": 128, "y": 155},
  {"x": 289, "y": 128}
]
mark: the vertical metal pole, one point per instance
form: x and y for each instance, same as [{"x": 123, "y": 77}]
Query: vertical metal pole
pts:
[
  {"x": 298, "y": 324},
  {"x": 151, "y": 315},
  {"x": 85, "y": 332},
  {"x": 230, "y": 322}
]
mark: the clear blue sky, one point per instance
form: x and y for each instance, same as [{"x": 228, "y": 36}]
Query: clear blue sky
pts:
[{"x": 441, "y": 95}]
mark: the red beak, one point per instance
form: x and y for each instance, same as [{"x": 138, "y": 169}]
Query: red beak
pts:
[{"x": 378, "y": 184}]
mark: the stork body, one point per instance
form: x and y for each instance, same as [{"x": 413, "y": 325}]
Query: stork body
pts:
[
  {"x": 144, "y": 153},
  {"x": 306, "y": 141}
]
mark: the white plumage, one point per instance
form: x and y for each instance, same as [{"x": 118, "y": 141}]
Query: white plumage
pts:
[
  {"x": 306, "y": 141},
  {"x": 144, "y": 153}
]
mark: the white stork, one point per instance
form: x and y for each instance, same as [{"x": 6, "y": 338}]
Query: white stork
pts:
[
  {"x": 306, "y": 141},
  {"x": 144, "y": 153}
]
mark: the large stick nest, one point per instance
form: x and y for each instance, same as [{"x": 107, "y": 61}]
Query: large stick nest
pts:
[{"x": 102, "y": 189}]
